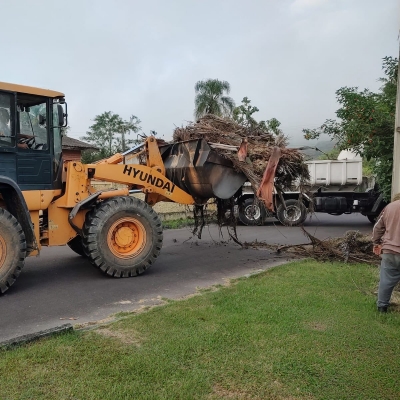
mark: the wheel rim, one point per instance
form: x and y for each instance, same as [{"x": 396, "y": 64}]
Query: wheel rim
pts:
[
  {"x": 3, "y": 251},
  {"x": 126, "y": 237},
  {"x": 292, "y": 213},
  {"x": 252, "y": 212}
]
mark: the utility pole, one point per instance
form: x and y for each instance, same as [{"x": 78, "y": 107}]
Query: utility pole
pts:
[
  {"x": 123, "y": 138},
  {"x": 396, "y": 148}
]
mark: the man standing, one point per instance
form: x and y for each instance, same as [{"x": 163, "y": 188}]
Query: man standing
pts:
[{"x": 386, "y": 240}]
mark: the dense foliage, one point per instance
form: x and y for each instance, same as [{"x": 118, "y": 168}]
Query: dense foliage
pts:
[
  {"x": 110, "y": 134},
  {"x": 366, "y": 124},
  {"x": 243, "y": 115}
]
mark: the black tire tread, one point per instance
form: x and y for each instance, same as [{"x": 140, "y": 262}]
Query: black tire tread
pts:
[
  {"x": 243, "y": 218},
  {"x": 8, "y": 220},
  {"x": 281, "y": 209},
  {"x": 102, "y": 212}
]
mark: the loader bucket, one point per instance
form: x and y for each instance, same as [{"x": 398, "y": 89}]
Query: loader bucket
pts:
[{"x": 198, "y": 170}]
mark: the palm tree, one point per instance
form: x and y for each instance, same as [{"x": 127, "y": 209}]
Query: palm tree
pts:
[{"x": 210, "y": 98}]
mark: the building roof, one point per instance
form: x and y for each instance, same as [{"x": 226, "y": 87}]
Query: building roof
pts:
[
  {"x": 69, "y": 143},
  {"x": 12, "y": 87}
]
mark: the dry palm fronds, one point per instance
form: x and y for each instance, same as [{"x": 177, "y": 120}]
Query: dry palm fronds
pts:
[
  {"x": 225, "y": 137},
  {"x": 352, "y": 247},
  {"x": 228, "y": 133}
]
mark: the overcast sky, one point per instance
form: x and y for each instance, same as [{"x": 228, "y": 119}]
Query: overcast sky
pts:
[{"x": 144, "y": 57}]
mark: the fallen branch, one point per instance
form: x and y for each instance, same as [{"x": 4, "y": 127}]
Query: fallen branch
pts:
[{"x": 352, "y": 247}]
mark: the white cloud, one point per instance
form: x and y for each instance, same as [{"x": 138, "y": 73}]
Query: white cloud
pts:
[{"x": 304, "y": 5}]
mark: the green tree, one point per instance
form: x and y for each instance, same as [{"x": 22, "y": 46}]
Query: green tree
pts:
[
  {"x": 243, "y": 115},
  {"x": 211, "y": 99},
  {"x": 110, "y": 134},
  {"x": 366, "y": 124},
  {"x": 272, "y": 125},
  {"x": 91, "y": 156}
]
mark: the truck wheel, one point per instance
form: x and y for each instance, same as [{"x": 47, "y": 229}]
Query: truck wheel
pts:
[
  {"x": 12, "y": 249},
  {"x": 372, "y": 218},
  {"x": 250, "y": 213},
  {"x": 122, "y": 236},
  {"x": 76, "y": 245},
  {"x": 294, "y": 215}
]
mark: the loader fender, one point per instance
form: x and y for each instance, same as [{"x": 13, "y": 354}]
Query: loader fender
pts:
[{"x": 16, "y": 205}]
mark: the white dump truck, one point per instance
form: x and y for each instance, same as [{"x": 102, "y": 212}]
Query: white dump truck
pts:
[{"x": 336, "y": 187}]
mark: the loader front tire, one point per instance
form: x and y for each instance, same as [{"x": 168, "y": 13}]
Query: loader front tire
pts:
[
  {"x": 122, "y": 236},
  {"x": 12, "y": 249}
]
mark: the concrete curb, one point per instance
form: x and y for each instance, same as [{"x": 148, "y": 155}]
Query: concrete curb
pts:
[{"x": 19, "y": 340}]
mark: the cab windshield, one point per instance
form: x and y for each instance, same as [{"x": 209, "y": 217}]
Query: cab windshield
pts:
[{"x": 32, "y": 130}]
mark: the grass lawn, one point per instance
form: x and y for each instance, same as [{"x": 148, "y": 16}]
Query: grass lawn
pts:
[
  {"x": 304, "y": 330},
  {"x": 178, "y": 223}
]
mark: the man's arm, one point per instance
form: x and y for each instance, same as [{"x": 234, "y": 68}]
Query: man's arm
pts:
[
  {"x": 377, "y": 233},
  {"x": 379, "y": 229}
]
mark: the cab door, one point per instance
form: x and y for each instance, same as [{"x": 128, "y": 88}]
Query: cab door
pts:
[
  {"x": 34, "y": 155},
  {"x": 8, "y": 164}
]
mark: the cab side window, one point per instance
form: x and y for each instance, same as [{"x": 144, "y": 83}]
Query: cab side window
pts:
[{"x": 7, "y": 137}]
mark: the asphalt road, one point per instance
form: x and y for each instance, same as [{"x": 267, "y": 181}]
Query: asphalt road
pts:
[{"x": 60, "y": 286}]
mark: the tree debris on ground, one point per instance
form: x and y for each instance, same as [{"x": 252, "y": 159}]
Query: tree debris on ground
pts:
[{"x": 352, "y": 247}]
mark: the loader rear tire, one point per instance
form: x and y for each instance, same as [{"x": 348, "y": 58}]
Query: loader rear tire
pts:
[
  {"x": 122, "y": 236},
  {"x": 76, "y": 245},
  {"x": 12, "y": 249}
]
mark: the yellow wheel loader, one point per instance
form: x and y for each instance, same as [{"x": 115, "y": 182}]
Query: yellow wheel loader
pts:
[{"x": 46, "y": 201}]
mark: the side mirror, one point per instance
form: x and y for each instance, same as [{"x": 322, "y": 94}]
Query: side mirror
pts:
[{"x": 60, "y": 110}]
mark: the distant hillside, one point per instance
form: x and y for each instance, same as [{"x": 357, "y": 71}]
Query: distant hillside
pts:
[{"x": 325, "y": 145}]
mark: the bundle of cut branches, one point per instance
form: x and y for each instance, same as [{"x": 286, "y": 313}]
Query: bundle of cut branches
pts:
[
  {"x": 352, "y": 247},
  {"x": 229, "y": 135}
]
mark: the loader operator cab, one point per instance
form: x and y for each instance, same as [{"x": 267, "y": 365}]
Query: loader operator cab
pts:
[{"x": 31, "y": 122}]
